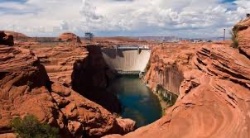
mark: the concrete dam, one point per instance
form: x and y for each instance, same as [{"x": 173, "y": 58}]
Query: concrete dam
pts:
[{"x": 127, "y": 59}]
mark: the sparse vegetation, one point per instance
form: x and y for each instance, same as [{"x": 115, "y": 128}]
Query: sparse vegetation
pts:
[
  {"x": 234, "y": 35},
  {"x": 147, "y": 67},
  {"x": 234, "y": 38},
  {"x": 167, "y": 96},
  {"x": 30, "y": 127}
]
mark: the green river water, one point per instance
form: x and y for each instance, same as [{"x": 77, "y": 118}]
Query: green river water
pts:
[{"x": 138, "y": 102}]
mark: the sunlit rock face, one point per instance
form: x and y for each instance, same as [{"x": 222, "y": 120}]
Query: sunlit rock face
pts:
[
  {"x": 59, "y": 60},
  {"x": 163, "y": 73}
]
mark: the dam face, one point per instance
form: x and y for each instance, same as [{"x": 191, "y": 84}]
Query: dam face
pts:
[{"x": 127, "y": 59}]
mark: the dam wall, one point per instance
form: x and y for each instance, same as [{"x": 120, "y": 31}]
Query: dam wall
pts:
[{"x": 127, "y": 59}]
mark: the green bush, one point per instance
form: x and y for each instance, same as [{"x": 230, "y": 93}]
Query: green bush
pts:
[
  {"x": 234, "y": 38},
  {"x": 30, "y": 127},
  {"x": 234, "y": 35}
]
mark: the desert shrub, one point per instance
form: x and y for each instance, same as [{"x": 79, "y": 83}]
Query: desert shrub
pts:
[
  {"x": 234, "y": 38},
  {"x": 165, "y": 95},
  {"x": 30, "y": 127}
]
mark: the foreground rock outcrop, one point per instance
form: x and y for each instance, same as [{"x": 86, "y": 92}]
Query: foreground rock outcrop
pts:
[{"x": 27, "y": 89}]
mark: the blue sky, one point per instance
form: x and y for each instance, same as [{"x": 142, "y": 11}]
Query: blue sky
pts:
[{"x": 183, "y": 18}]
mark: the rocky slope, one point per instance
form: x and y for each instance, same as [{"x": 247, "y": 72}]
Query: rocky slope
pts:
[
  {"x": 27, "y": 89},
  {"x": 213, "y": 84}
]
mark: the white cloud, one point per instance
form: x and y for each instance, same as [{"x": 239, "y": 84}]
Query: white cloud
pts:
[{"x": 184, "y": 18}]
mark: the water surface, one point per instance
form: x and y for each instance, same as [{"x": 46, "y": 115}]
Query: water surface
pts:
[{"x": 138, "y": 102}]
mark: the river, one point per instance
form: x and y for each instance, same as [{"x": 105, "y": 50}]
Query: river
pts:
[{"x": 138, "y": 102}]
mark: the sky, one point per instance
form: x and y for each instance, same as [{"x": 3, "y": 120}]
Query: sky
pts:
[{"x": 181, "y": 18}]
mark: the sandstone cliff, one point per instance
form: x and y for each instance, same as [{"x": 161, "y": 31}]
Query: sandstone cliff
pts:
[
  {"x": 27, "y": 89},
  {"x": 59, "y": 60},
  {"x": 80, "y": 68}
]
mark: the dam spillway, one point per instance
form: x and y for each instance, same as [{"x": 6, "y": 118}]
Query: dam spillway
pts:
[{"x": 127, "y": 59}]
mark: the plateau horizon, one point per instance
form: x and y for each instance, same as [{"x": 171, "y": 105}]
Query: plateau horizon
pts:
[{"x": 182, "y": 18}]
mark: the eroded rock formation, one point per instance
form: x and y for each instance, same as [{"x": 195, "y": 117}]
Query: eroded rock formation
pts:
[{"x": 27, "y": 89}]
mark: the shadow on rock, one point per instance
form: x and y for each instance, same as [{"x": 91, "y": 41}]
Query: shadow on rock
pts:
[{"x": 90, "y": 78}]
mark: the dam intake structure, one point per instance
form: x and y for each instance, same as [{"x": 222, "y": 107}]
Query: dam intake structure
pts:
[{"x": 127, "y": 59}]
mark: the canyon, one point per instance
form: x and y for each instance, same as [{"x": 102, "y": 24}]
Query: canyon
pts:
[
  {"x": 65, "y": 85},
  {"x": 212, "y": 84},
  {"x": 27, "y": 88}
]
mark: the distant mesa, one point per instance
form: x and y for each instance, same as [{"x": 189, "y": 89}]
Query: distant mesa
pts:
[
  {"x": 69, "y": 37},
  {"x": 6, "y": 39}
]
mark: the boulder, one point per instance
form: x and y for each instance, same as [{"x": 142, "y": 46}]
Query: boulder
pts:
[{"x": 69, "y": 37}]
